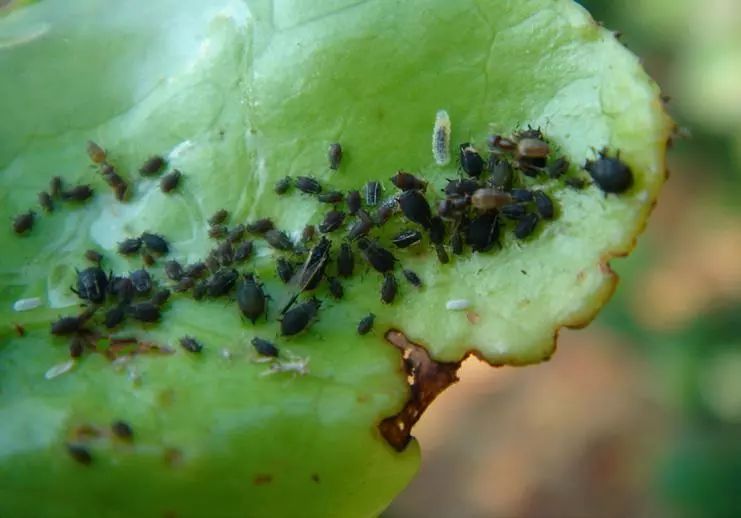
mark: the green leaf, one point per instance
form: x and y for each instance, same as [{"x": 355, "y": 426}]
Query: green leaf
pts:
[{"x": 237, "y": 95}]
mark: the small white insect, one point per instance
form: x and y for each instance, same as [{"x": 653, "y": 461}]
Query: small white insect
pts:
[
  {"x": 294, "y": 364},
  {"x": 457, "y": 304},
  {"x": 26, "y": 304},
  {"x": 59, "y": 369},
  {"x": 441, "y": 138}
]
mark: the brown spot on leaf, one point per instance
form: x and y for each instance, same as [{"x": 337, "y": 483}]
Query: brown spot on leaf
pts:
[
  {"x": 426, "y": 377},
  {"x": 262, "y": 478},
  {"x": 19, "y": 329}
]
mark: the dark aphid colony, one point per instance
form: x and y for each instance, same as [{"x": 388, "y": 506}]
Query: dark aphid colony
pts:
[
  {"x": 388, "y": 288},
  {"x": 471, "y": 162},
  {"x": 353, "y": 202},
  {"x": 332, "y": 221},
  {"x": 335, "y": 287},
  {"x": 222, "y": 282},
  {"x": 92, "y": 284},
  {"x": 407, "y": 181},
  {"x": 93, "y": 256},
  {"x": 413, "y": 278},
  {"x": 285, "y": 270},
  {"x": 142, "y": 281},
  {"x": 278, "y": 240},
  {"x": 407, "y": 238},
  {"x": 122, "y": 430},
  {"x": 330, "y": 197},
  {"x": 145, "y": 312}
]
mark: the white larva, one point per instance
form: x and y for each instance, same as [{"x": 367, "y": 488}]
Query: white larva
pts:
[
  {"x": 457, "y": 304},
  {"x": 441, "y": 138},
  {"x": 26, "y": 304},
  {"x": 59, "y": 369}
]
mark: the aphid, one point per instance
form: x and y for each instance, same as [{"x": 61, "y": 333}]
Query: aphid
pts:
[
  {"x": 183, "y": 285},
  {"x": 488, "y": 199},
  {"x": 471, "y": 161},
  {"x": 80, "y": 454},
  {"x": 121, "y": 191},
  {"x": 141, "y": 280},
  {"x": 243, "y": 251},
  {"x": 437, "y": 230},
  {"x": 285, "y": 269},
  {"x": 195, "y": 270},
  {"x": 575, "y": 183},
  {"x": 278, "y": 240},
  {"x": 415, "y": 207},
  {"x": 123, "y": 289},
  {"x": 264, "y": 348},
  {"x": 298, "y": 318},
  {"x": 148, "y": 259},
  {"x": 386, "y": 210},
  {"x": 461, "y": 187},
  {"x": 23, "y": 222},
  {"x": 514, "y": 211},
  {"x": 55, "y": 186},
  {"x": 360, "y": 228},
  {"x": 442, "y": 254},
  {"x": 122, "y": 430},
  {"x": 457, "y": 304},
  {"x": 260, "y": 226},
  {"x": 225, "y": 253},
  {"x": 200, "y": 289},
  {"x": 501, "y": 173},
  {"x": 334, "y": 155},
  {"x": 335, "y": 287},
  {"x": 522, "y": 195},
  {"x": 45, "y": 201},
  {"x": 173, "y": 270},
  {"x": 145, "y": 312},
  {"x": 530, "y": 132},
  {"x": 345, "y": 261},
  {"x": 532, "y": 148},
  {"x": 372, "y": 193},
  {"x": 152, "y": 166},
  {"x": 282, "y": 185},
  {"x": 612, "y": 175},
  {"x": 93, "y": 256},
  {"x": 251, "y": 298},
  {"x": 407, "y": 238},
  {"x": 66, "y": 325},
  {"x": 78, "y": 193},
  {"x": 456, "y": 242},
  {"x": 406, "y": 181},
  {"x": 155, "y": 243},
  {"x": 217, "y": 231},
  {"x": 526, "y": 225},
  {"x": 314, "y": 266},
  {"x": 91, "y": 284},
  {"x": 379, "y": 258},
  {"x": 388, "y": 288},
  {"x": 129, "y": 246},
  {"x": 170, "y": 181},
  {"x": 483, "y": 231},
  {"x": 441, "y": 138},
  {"x": 111, "y": 177},
  {"x": 76, "y": 347},
  {"x": 308, "y": 185},
  {"x": 236, "y": 233},
  {"x": 222, "y": 281},
  {"x": 544, "y": 204},
  {"x": 366, "y": 324},
  {"x": 353, "y": 201},
  {"x": 413, "y": 278},
  {"x": 558, "y": 167},
  {"x": 161, "y": 297},
  {"x": 218, "y": 217},
  {"x": 500, "y": 143},
  {"x": 190, "y": 344},
  {"x": 115, "y": 316},
  {"x": 330, "y": 197},
  {"x": 212, "y": 262},
  {"x": 96, "y": 153},
  {"x": 308, "y": 233},
  {"x": 332, "y": 221}
]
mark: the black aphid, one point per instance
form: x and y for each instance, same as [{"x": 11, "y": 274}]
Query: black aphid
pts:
[
  {"x": 353, "y": 201},
  {"x": 442, "y": 254},
  {"x": 407, "y": 238},
  {"x": 558, "y": 167},
  {"x": 142, "y": 281},
  {"x": 96, "y": 153},
  {"x": 173, "y": 270},
  {"x": 190, "y": 344},
  {"x": 225, "y": 253},
  {"x": 330, "y": 197},
  {"x": 183, "y": 285},
  {"x": 23, "y": 222},
  {"x": 437, "y": 230},
  {"x": 308, "y": 233},
  {"x": 161, "y": 297},
  {"x": 148, "y": 259},
  {"x": 575, "y": 183},
  {"x": 334, "y": 155},
  {"x": 221, "y": 282},
  {"x": 122, "y": 289},
  {"x": 612, "y": 175},
  {"x": 195, "y": 269},
  {"x": 111, "y": 177},
  {"x": 483, "y": 231},
  {"x": 413, "y": 278},
  {"x": 218, "y": 217},
  {"x": 55, "y": 186},
  {"x": 372, "y": 193},
  {"x": 170, "y": 181},
  {"x": 522, "y": 195},
  {"x": 461, "y": 187},
  {"x": 77, "y": 193},
  {"x": 388, "y": 288},
  {"x": 76, "y": 347},
  {"x": 379, "y": 258},
  {"x": 308, "y": 185},
  {"x": 360, "y": 228},
  {"x": 155, "y": 243},
  {"x": 129, "y": 246},
  {"x": 243, "y": 252},
  {"x": 406, "y": 181},
  {"x": 145, "y": 312},
  {"x": 415, "y": 207},
  {"x": 217, "y": 231},
  {"x": 264, "y": 348},
  {"x": 260, "y": 226},
  {"x": 514, "y": 211},
  {"x": 284, "y": 269},
  {"x": 456, "y": 242},
  {"x": 501, "y": 173},
  {"x": 212, "y": 262},
  {"x": 526, "y": 226},
  {"x": 314, "y": 266},
  {"x": 93, "y": 256},
  {"x": 236, "y": 233},
  {"x": 66, "y": 325},
  {"x": 152, "y": 166},
  {"x": 282, "y": 185},
  {"x": 91, "y": 284},
  {"x": 115, "y": 316},
  {"x": 298, "y": 318},
  {"x": 122, "y": 430},
  {"x": 471, "y": 161},
  {"x": 200, "y": 289},
  {"x": 332, "y": 221},
  {"x": 544, "y": 204},
  {"x": 278, "y": 240},
  {"x": 45, "y": 201},
  {"x": 80, "y": 454},
  {"x": 366, "y": 324},
  {"x": 335, "y": 287},
  {"x": 345, "y": 261}
]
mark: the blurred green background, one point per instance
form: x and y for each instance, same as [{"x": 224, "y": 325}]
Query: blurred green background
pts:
[{"x": 639, "y": 415}]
